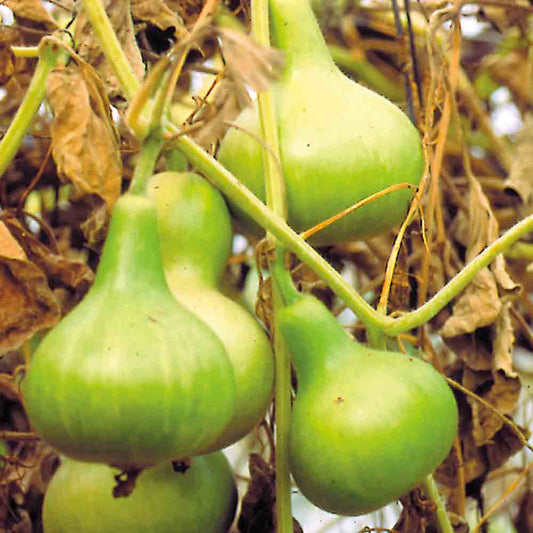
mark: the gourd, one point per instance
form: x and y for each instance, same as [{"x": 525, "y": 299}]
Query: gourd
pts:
[
  {"x": 339, "y": 142},
  {"x": 196, "y": 237},
  {"x": 200, "y": 500},
  {"x": 130, "y": 377},
  {"x": 367, "y": 425}
]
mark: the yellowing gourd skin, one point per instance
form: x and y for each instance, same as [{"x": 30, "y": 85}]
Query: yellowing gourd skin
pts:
[
  {"x": 196, "y": 236},
  {"x": 130, "y": 377},
  {"x": 339, "y": 142},
  {"x": 201, "y": 500},
  {"x": 367, "y": 425}
]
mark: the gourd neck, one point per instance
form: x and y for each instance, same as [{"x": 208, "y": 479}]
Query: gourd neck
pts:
[
  {"x": 314, "y": 337},
  {"x": 295, "y": 30},
  {"x": 131, "y": 258}
]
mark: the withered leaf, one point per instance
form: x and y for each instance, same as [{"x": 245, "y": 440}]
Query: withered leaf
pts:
[
  {"x": 90, "y": 51},
  {"x": 32, "y": 10},
  {"x": 75, "y": 276},
  {"x": 248, "y": 62},
  {"x": 520, "y": 180},
  {"x": 157, "y": 13},
  {"x": 27, "y": 304},
  {"x": 7, "y": 63},
  {"x": 258, "y": 504},
  {"x": 84, "y": 145}
]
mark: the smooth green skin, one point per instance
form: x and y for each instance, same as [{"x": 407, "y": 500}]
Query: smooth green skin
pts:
[
  {"x": 130, "y": 376},
  {"x": 201, "y": 500},
  {"x": 339, "y": 142},
  {"x": 196, "y": 236},
  {"x": 367, "y": 425}
]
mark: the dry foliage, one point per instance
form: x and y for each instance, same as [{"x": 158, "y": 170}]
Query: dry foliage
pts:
[{"x": 478, "y": 183}]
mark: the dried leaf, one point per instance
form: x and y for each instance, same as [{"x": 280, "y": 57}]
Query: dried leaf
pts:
[
  {"x": 478, "y": 306},
  {"x": 27, "y": 304},
  {"x": 7, "y": 63},
  {"x": 90, "y": 51},
  {"x": 157, "y": 13},
  {"x": 74, "y": 276},
  {"x": 520, "y": 180},
  {"x": 84, "y": 145},
  {"x": 248, "y": 62},
  {"x": 417, "y": 514},
  {"x": 32, "y": 10},
  {"x": 258, "y": 504}
]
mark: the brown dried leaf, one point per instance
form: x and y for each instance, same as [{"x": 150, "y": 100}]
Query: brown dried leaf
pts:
[
  {"x": 510, "y": 70},
  {"x": 84, "y": 145},
  {"x": 188, "y": 10},
  {"x": 32, "y": 10},
  {"x": 417, "y": 514},
  {"x": 90, "y": 51},
  {"x": 258, "y": 504},
  {"x": 520, "y": 180},
  {"x": 478, "y": 306},
  {"x": 248, "y": 62},
  {"x": 7, "y": 63},
  {"x": 61, "y": 272},
  {"x": 27, "y": 304},
  {"x": 157, "y": 13}
]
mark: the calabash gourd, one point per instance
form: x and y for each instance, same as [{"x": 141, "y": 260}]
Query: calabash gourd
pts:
[
  {"x": 196, "y": 237},
  {"x": 130, "y": 377},
  {"x": 339, "y": 142},
  {"x": 367, "y": 425},
  {"x": 200, "y": 500}
]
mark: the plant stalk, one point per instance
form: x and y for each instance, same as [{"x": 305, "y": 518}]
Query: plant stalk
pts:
[
  {"x": 276, "y": 200},
  {"x": 443, "y": 521},
  {"x": 144, "y": 169},
  {"x": 51, "y": 54}
]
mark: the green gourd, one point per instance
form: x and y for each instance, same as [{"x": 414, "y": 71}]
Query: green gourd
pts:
[
  {"x": 339, "y": 142},
  {"x": 200, "y": 500},
  {"x": 367, "y": 425},
  {"x": 130, "y": 377},
  {"x": 196, "y": 237}
]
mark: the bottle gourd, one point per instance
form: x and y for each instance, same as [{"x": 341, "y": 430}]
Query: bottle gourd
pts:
[
  {"x": 367, "y": 425},
  {"x": 196, "y": 237},
  {"x": 130, "y": 377},
  {"x": 339, "y": 142},
  {"x": 202, "y": 499}
]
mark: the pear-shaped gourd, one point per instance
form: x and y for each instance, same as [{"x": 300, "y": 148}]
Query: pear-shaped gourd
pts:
[
  {"x": 339, "y": 142},
  {"x": 201, "y": 499},
  {"x": 367, "y": 425},
  {"x": 130, "y": 377},
  {"x": 196, "y": 236}
]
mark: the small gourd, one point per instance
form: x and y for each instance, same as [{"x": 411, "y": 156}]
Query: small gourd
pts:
[
  {"x": 339, "y": 142},
  {"x": 367, "y": 425},
  {"x": 201, "y": 499},
  {"x": 196, "y": 236},
  {"x": 130, "y": 377}
]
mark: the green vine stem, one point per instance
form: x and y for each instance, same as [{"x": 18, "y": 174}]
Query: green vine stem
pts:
[
  {"x": 276, "y": 200},
  {"x": 144, "y": 169},
  {"x": 51, "y": 54},
  {"x": 264, "y": 216},
  {"x": 432, "y": 492},
  {"x": 25, "y": 51}
]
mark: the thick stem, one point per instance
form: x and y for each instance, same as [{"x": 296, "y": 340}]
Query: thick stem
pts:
[
  {"x": 276, "y": 200},
  {"x": 144, "y": 168},
  {"x": 51, "y": 54},
  {"x": 443, "y": 521}
]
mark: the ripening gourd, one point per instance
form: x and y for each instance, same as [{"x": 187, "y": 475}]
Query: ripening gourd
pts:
[
  {"x": 196, "y": 237},
  {"x": 367, "y": 425},
  {"x": 130, "y": 377},
  {"x": 339, "y": 142},
  {"x": 201, "y": 499}
]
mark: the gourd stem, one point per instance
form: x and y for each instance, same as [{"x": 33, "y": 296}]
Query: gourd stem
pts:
[
  {"x": 176, "y": 161},
  {"x": 51, "y": 54},
  {"x": 276, "y": 200},
  {"x": 443, "y": 521},
  {"x": 144, "y": 168},
  {"x": 261, "y": 214},
  {"x": 284, "y": 282}
]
